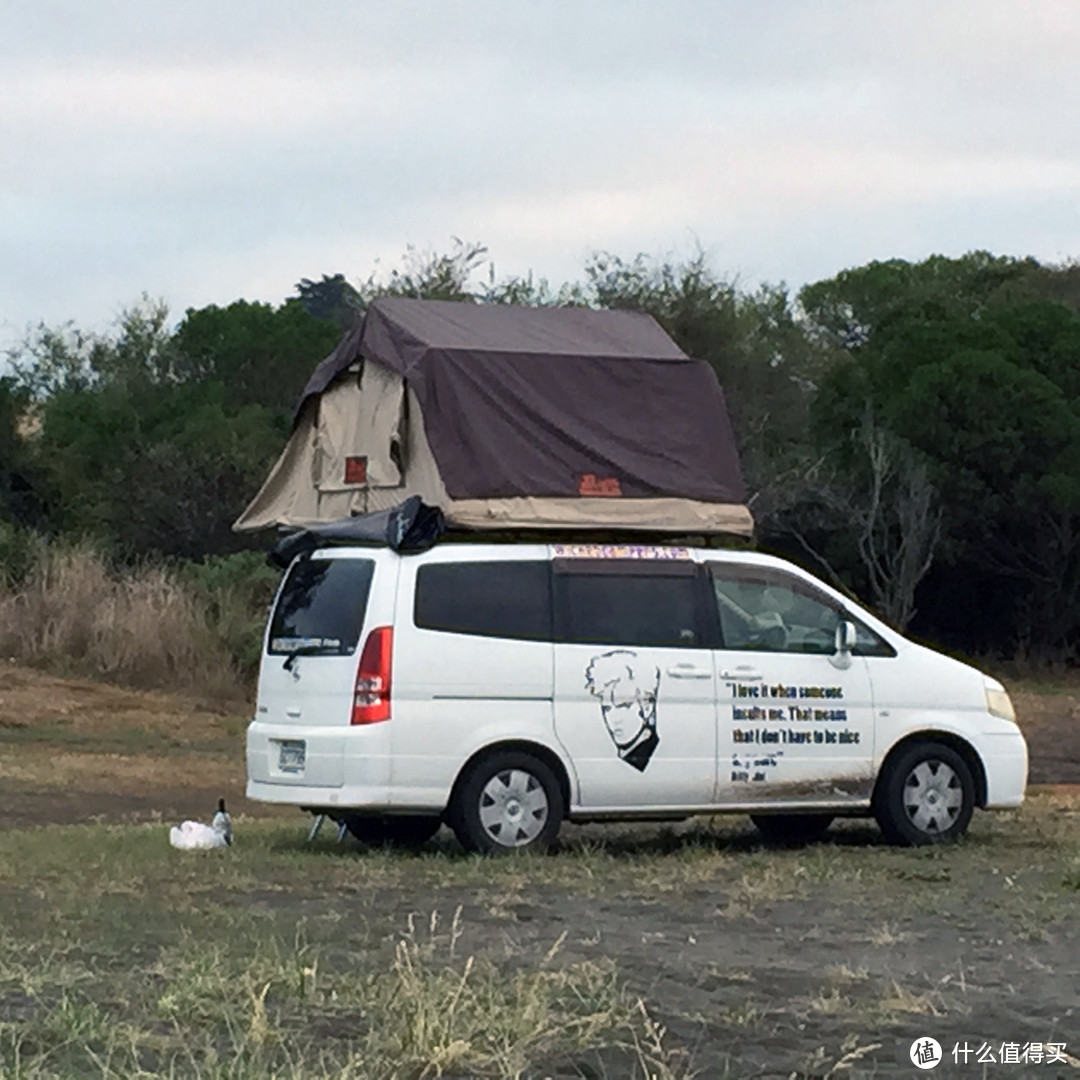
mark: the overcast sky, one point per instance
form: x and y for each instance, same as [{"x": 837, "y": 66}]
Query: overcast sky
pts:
[{"x": 201, "y": 152}]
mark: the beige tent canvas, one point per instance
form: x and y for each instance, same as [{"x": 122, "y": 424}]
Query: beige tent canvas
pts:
[{"x": 510, "y": 418}]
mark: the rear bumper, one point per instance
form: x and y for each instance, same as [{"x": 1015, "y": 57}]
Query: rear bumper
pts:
[
  {"x": 343, "y": 766},
  {"x": 1005, "y": 758},
  {"x": 348, "y": 798}
]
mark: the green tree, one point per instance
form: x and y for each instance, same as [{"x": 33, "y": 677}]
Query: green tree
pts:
[
  {"x": 155, "y": 439},
  {"x": 55, "y": 360},
  {"x": 261, "y": 354},
  {"x": 859, "y": 304},
  {"x": 23, "y": 493},
  {"x": 983, "y": 382},
  {"x": 332, "y": 299}
]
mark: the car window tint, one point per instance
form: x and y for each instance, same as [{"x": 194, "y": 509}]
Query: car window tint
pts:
[
  {"x": 772, "y": 612},
  {"x": 628, "y": 609},
  {"x": 490, "y": 599},
  {"x": 321, "y": 607}
]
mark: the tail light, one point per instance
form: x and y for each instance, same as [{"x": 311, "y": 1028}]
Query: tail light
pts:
[{"x": 371, "y": 698}]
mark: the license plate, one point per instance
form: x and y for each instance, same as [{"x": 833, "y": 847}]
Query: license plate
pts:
[{"x": 291, "y": 756}]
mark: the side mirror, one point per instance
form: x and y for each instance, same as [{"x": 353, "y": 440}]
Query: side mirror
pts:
[{"x": 845, "y": 644}]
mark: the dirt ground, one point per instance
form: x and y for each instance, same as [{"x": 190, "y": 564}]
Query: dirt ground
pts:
[
  {"x": 825, "y": 962},
  {"x": 74, "y": 751},
  {"x": 1051, "y": 724}
]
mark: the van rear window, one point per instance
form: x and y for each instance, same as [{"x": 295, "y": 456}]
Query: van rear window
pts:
[
  {"x": 493, "y": 599},
  {"x": 321, "y": 607}
]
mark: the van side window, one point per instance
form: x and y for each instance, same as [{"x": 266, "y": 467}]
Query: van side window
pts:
[
  {"x": 321, "y": 607},
  {"x": 765, "y": 609},
  {"x": 628, "y": 603},
  {"x": 489, "y": 599},
  {"x": 761, "y": 609}
]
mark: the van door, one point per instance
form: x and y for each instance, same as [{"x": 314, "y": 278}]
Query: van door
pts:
[
  {"x": 308, "y": 670},
  {"x": 796, "y": 717},
  {"x": 635, "y": 687},
  {"x": 474, "y": 663}
]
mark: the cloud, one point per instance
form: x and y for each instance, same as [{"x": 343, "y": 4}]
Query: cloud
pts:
[
  {"x": 235, "y": 100},
  {"x": 204, "y": 152}
]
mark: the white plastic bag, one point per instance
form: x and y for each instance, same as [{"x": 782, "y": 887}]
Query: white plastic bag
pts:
[{"x": 193, "y": 835}]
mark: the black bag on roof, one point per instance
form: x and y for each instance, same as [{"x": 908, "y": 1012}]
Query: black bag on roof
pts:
[{"x": 409, "y": 526}]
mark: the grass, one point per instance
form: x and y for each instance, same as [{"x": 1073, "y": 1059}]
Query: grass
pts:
[
  {"x": 205, "y": 1011},
  {"x": 60, "y": 733},
  {"x": 122, "y": 958},
  {"x": 126, "y": 960},
  {"x": 1011, "y": 857}
]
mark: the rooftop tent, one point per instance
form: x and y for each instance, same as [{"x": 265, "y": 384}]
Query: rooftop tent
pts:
[{"x": 510, "y": 418}]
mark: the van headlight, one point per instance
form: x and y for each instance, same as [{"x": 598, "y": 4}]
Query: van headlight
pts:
[{"x": 998, "y": 703}]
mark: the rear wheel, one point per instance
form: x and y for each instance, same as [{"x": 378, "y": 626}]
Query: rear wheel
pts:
[
  {"x": 507, "y": 801},
  {"x": 926, "y": 797},
  {"x": 791, "y": 828},
  {"x": 376, "y": 830}
]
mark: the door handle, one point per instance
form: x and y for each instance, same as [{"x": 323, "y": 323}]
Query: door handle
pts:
[
  {"x": 689, "y": 671},
  {"x": 745, "y": 674},
  {"x": 293, "y": 714}
]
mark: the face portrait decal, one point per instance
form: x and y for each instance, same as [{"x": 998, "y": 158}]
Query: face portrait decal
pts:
[{"x": 627, "y": 690}]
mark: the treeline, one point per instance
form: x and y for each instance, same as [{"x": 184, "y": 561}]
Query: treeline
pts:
[{"x": 911, "y": 432}]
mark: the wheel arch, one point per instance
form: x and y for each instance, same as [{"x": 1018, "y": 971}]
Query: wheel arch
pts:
[
  {"x": 946, "y": 738},
  {"x": 523, "y": 746}
]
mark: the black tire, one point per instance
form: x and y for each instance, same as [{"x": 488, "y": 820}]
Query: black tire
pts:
[
  {"x": 926, "y": 796},
  {"x": 378, "y": 830},
  {"x": 507, "y": 801},
  {"x": 791, "y": 828}
]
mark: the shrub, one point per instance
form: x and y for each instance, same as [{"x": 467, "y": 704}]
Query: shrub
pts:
[
  {"x": 20, "y": 548},
  {"x": 237, "y": 591},
  {"x": 143, "y": 626}
]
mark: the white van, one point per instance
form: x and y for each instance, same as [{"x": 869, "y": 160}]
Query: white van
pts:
[{"x": 505, "y": 688}]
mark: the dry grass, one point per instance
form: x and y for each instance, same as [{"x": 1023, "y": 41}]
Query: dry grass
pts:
[
  {"x": 245, "y": 1002},
  {"x": 73, "y": 749},
  {"x": 82, "y": 714},
  {"x": 141, "y": 628}
]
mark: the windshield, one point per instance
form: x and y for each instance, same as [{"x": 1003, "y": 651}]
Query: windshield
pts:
[{"x": 321, "y": 607}]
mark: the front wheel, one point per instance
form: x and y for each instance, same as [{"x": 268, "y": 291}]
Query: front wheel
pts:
[
  {"x": 507, "y": 801},
  {"x": 926, "y": 797}
]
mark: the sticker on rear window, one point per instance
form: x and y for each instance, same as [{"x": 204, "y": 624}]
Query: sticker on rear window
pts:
[{"x": 289, "y": 644}]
